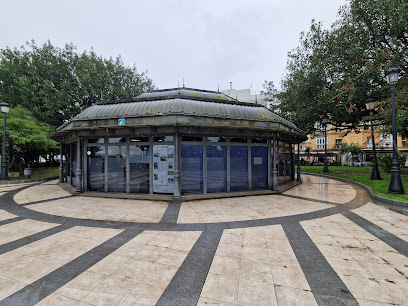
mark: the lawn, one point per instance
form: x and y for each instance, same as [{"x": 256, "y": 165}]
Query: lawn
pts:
[
  {"x": 40, "y": 173},
  {"x": 362, "y": 175}
]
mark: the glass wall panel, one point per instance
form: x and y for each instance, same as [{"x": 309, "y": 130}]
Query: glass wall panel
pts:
[
  {"x": 139, "y": 139},
  {"x": 96, "y": 168},
  {"x": 74, "y": 162},
  {"x": 117, "y": 140},
  {"x": 238, "y": 139},
  {"x": 238, "y": 168},
  {"x": 139, "y": 158},
  {"x": 191, "y": 169},
  {"x": 283, "y": 162},
  {"x": 96, "y": 140},
  {"x": 192, "y": 138},
  {"x": 216, "y": 139},
  {"x": 117, "y": 168},
  {"x": 216, "y": 169},
  {"x": 259, "y": 167},
  {"x": 163, "y": 138}
]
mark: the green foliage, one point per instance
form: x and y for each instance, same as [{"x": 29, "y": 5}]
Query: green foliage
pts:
[
  {"x": 335, "y": 70},
  {"x": 26, "y": 138},
  {"x": 354, "y": 150},
  {"x": 308, "y": 151},
  {"x": 385, "y": 161},
  {"x": 55, "y": 83}
]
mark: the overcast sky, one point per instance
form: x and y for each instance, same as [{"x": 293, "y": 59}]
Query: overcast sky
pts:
[{"x": 205, "y": 41}]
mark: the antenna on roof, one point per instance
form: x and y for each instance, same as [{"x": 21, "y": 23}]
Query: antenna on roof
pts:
[
  {"x": 218, "y": 86},
  {"x": 256, "y": 98},
  {"x": 183, "y": 82}
]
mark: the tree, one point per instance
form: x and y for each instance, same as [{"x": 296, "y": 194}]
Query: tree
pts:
[
  {"x": 27, "y": 139},
  {"x": 55, "y": 83},
  {"x": 334, "y": 71},
  {"x": 354, "y": 150}
]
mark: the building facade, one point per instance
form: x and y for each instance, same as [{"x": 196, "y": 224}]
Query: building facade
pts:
[
  {"x": 337, "y": 136},
  {"x": 177, "y": 141}
]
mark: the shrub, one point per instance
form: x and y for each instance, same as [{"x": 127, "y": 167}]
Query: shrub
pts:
[{"x": 385, "y": 161}]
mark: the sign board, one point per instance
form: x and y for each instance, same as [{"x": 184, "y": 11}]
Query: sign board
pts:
[
  {"x": 121, "y": 121},
  {"x": 163, "y": 168}
]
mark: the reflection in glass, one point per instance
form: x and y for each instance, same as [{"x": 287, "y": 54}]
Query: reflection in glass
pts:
[
  {"x": 259, "y": 167},
  {"x": 117, "y": 140},
  {"x": 163, "y": 138},
  {"x": 283, "y": 162},
  {"x": 96, "y": 168},
  {"x": 239, "y": 168},
  {"x": 216, "y": 139},
  {"x": 191, "y": 169},
  {"x": 96, "y": 140},
  {"x": 117, "y": 168},
  {"x": 139, "y": 158},
  {"x": 139, "y": 139},
  {"x": 216, "y": 169}
]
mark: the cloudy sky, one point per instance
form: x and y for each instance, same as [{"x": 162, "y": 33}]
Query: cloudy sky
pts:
[{"x": 206, "y": 42}]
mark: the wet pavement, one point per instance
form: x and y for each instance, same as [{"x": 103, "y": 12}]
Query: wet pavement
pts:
[{"x": 323, "y": 242}]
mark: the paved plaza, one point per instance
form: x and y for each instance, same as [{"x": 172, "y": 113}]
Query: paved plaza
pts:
[{"x": 323, "y": 242}]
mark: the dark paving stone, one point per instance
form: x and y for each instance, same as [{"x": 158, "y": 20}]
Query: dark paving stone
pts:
[
  {"x": 35, "y": 292},
  {"x": 393, "y": 241},
  {"x": 172, "y": 212},
  {"x": 32, "y": 238},
  {"x": 186, "y": 286},
  {"x": 12, "y": 220},
  {"x": 326, "y": 285},
  {"x": 47, "y": 200}
]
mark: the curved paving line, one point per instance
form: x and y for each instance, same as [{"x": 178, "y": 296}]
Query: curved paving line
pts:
[
  {"x": 166, "y": 224},
  {"x": 310, "y": 199},
  {"x": 44, "y": 201}
]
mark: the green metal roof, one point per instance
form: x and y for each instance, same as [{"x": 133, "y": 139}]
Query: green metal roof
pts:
[{"x": 178, "y": 106}]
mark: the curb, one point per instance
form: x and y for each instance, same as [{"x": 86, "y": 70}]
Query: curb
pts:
[
  {"x": 27, "y": 181},
  {"x": 367, "y": 188}
]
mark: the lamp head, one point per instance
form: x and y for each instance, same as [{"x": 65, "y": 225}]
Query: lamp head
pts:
[
  {"x": 370, "y": 104},
  {"x": 4, "y": 107},
  {"x": 392, "y": 75}
]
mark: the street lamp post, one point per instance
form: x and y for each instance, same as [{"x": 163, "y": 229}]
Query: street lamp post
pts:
[
  {"x": 375, "y": 174},
  {"x": 325, "y": 167},
  {"x": 4, "y": 170},
  {"x": 395, "y": 183}
]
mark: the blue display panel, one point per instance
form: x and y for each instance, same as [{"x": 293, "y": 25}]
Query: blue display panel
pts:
[
  {"x": 216, "y": 169},
  {"x": 191, "y": 169},
  {"x": 96, "y": 168},
  {"x": 117, "y": 168},
  {"x": 238, "y": 168},
  {"x": 259, "y": 167}
]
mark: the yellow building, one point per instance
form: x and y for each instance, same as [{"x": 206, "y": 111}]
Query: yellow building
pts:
[{"x": 337, "y": 136}]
